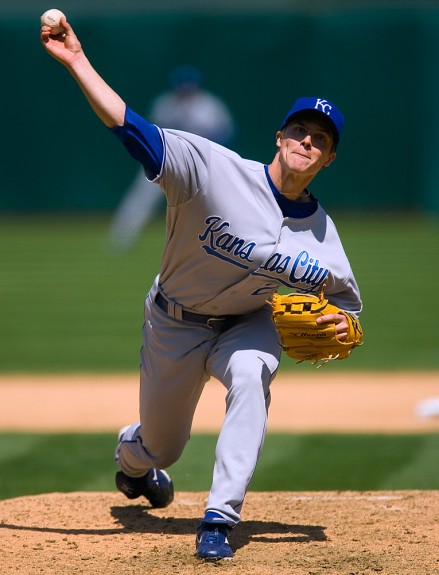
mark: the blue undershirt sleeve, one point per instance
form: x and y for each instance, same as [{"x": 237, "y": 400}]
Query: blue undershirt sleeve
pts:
[{"x": 143, "y": 141}]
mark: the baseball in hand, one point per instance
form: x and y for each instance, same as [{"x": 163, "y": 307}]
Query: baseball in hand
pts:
[{"x": 52, "y": 18}]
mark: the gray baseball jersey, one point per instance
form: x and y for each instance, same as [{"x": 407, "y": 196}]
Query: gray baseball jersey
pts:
[
  {"x": 228, "y": 245},
  {"x": 228, "y": 248}
]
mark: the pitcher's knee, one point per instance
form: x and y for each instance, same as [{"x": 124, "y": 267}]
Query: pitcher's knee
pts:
[
  {"x": 248, "y": 371},
  {"x": 166, "y": 459},
  {"x": 162, "y": 456}
]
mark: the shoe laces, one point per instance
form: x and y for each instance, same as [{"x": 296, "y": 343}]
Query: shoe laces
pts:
[
  {"x": 215, "y": 534},
  {"x": 152, "y": 476}
]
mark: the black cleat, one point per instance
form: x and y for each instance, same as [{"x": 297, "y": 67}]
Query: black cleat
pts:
[{"x": 156, "y": 486}]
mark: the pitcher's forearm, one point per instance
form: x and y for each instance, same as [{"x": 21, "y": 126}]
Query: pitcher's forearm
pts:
[{"x": 104, "y": 101}]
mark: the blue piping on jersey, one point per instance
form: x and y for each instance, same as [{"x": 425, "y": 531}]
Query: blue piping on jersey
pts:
[
  {"x": 289, "y": 208},
  {"x": 212, "y": 252}
]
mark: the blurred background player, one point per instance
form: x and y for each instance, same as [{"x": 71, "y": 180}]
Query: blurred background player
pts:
[{"x": 187, "y": 106}]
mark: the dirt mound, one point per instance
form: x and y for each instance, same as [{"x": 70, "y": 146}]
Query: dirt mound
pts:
[{"x": 306, "y": 533}]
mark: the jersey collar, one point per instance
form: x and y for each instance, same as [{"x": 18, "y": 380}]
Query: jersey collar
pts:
[{"x": 289, "y": 208}]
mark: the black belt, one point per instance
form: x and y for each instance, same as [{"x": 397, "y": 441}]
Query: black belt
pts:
[{"x": 220, "y": 323}]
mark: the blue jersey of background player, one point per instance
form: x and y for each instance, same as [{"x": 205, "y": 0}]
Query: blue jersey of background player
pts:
[{"x": 236, "y": 230}]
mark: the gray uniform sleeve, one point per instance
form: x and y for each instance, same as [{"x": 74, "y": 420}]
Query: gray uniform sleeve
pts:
[
  {"x": 186, "y": 166},
  {"x": 347, "y": 299}
]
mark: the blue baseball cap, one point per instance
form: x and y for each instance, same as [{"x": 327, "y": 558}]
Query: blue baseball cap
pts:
[
  {"x": 185, "y": 75},
  {"x": 319, "y": 105}
]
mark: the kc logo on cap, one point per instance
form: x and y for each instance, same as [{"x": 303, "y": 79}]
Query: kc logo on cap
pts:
[{"x": 324, "y": 106}]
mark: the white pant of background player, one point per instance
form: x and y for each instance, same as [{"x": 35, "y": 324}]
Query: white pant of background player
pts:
[
  {"x": 244, "y": 358},
  {"x": 138, "y": 206}
]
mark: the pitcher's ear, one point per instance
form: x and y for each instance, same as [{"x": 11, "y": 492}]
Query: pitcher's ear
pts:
[
  {"x": 278, "y": 139},
  {"x": 330, "y": 160}
]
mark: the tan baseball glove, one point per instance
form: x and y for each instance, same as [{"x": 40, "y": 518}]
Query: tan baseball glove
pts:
[{"x": 302, "y": 338}]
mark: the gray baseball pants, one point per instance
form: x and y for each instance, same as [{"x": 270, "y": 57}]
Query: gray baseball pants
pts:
[{"x": 177, "y": 359}]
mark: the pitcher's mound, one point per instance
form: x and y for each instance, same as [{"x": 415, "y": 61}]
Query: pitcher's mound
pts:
[{"x": 300, "y": 533}]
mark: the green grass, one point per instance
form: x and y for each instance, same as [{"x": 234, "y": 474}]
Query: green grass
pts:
[
  {"x": 68, "y": 303},
  {"x": 43, "y": 463}
]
